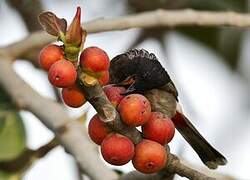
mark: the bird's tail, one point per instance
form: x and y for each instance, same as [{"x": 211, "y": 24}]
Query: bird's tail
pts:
[{"x": 209, "y": 156}]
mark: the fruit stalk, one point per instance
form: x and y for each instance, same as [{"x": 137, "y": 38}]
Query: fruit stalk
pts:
[{"x": 98, "y": 99}]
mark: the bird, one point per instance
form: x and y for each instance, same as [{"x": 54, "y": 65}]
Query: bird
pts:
[{"x": 141, "y": 72}]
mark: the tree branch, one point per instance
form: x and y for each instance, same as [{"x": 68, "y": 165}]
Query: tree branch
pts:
[
  {"x": 176, "y": 167},
  {"x": 157, "y": 18},
  {"x": 29, "y": 10},
  {"x": 98, "y": 99}
]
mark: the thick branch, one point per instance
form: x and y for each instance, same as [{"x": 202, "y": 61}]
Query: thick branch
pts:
[
  {"x": 176, "y": 167},
  {"x": 158, "y": 18},
  {"x": 70, "y": 133},
  {"x": 98, "y": 99},
  {"x": 170, "y": 18}
]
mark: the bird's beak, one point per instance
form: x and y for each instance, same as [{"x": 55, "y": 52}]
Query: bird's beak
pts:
[{"x": 127, "y": 82}]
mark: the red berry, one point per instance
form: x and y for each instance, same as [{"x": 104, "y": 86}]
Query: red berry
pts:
[
  {"x": 114, "y": 94},
  {"x": 159, "y": 128},
  {"x": 150, "y": 157},
  {"x": 97, "y": 129},
  {"x": 135, "y": 110},
  {"x": 62, "y": 74},
  {"x": 104, "y": 79},
  {"x": 49, "y": 55},
  {"x": 94, "y": 59},
  {"x": 73, "y": 96},
  {"x": 117, "y": 149}
]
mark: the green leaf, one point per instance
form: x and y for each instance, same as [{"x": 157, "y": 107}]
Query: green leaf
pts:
[
  {"x": 2, "y": 122},
  {"x": 9, "y": 176},
  {"x": 12, "y": 132},
  {"x": 12, "y": 135}
]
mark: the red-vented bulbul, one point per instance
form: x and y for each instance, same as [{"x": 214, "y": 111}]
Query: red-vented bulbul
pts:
[{"x": 141, "y": 72}]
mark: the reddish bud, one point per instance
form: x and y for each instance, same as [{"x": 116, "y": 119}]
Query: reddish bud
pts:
[
  {"x": 73, "y": 96},
  {"x": 49, "y": 55},
  {"x": 114, "y": 94},
  {"x": 150, "y": 157},
  {"x": 159, "y": 128},
  {"x": 74, "y": 33},
  {"x": 135, "y": 110},
  {"x": 97, "y": 129},
  {"x": 117, "y": 149},
  {"x": 62, "y": 74}
]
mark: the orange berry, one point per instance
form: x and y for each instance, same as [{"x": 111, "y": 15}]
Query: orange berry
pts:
[
  {"x": 62, "y": 74},
  {"x": 49, "y": 55},
  {"x": 150, "y": 157},
  {"x": 73, "y": 96},
  {"x": 117, "y": 149},
  {"x": 159, "y": 128},
  {"x": 135, "y": 110},
  {"x": 94, "y": 59},
  {"x": 97, "y": 129}
]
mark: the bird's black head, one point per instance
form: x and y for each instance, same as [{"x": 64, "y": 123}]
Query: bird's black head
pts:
[{"x": 139, "y": 70}]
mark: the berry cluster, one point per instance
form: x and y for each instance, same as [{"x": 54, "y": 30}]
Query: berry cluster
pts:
[
  {"x": 62, "y": 73},
  {"x": 62, "y": 63},
  {"x": 149, "y": 156}
]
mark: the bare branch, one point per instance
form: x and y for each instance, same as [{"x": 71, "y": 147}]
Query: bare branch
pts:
[
  {"x": 158, "y": 18},
  {"x": 170, "y": 18},
  {"x": 208, "y": 172},
  {"x": 176, "y": 167}
]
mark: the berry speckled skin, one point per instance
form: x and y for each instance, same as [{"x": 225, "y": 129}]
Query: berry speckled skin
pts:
[{"x": 141, "y": 72}]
